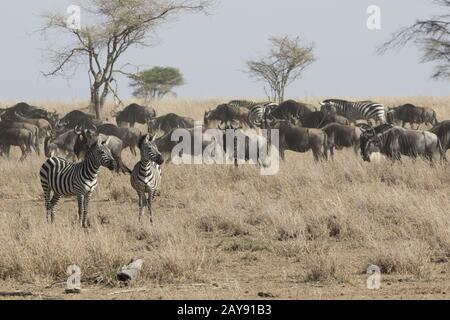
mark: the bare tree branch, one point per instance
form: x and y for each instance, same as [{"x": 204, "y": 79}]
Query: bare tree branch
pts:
[
  {"x": 287, "y": 60},
  {"x": 112, "y": 27},
  {"x": 432, "y": 36}
]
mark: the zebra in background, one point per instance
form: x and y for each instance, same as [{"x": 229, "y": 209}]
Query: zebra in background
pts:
[
  {"x": 66, "y": 179},
  {"x": 362, "y": 110},
  {"x": 246, "y": 103},
  {"x": 259, "y": 114},
  {"x": 146, "y": 176}
]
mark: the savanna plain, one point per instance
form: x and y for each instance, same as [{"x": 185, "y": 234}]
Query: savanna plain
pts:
[{"x": 220, "y": 232}]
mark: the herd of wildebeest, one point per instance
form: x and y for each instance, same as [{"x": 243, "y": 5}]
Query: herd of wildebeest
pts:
[
  {"x": 303, "y": 127},
  {"x": 77, "y": 144}
]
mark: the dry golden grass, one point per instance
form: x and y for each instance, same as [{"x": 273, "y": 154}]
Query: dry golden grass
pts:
[{"x": 220, "y": 232}]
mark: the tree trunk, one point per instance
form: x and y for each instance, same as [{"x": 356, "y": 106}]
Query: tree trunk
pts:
[
  {"x": 104, "y": 95},
  {"x": 281, "y": 96},
  {"x": 97, "y": 101}
]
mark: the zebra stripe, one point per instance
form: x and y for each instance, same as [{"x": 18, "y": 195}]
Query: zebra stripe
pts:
[
  {"x": 258, "y": 115},
  {"x": 246, "y": 103},
  {"x": 66, "y": 179},
  {"x": 146, "y": 176},
  {"x": 361, "y": 110}
]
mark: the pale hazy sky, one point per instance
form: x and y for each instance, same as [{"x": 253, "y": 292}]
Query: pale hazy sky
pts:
[{"x": 211, "y": 50}]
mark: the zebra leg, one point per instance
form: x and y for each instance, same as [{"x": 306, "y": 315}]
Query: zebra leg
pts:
[
  {"x": 52, "y": 207},
  {"x": 85, "y": 223},
  {"x": 80, "y": 199},
  {"x": 141, "y": 206},
  {"x": 151, "y": 196},
  {"x": 47, "y": 198}
]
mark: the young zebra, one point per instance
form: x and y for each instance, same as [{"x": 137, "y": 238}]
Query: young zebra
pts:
[
  {"x": 146, "y": 176},
  {"x": 67, "y": 179},
  {"x": 353, "y": 111}
]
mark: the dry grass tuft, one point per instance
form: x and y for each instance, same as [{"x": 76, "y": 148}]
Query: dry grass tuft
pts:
[{"x": 403, "y": 258}]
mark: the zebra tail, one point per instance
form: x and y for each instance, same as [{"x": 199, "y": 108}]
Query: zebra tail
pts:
[
  {"x": 126, "y": 169},
  {"x": 122, "y": 167}
]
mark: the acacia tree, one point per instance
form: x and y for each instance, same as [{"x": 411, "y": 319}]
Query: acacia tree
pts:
[
  {"x": 285, "y": 63},
  {"x": 432, "y": 36},
  {"x": 156, "y": 83},
  {"x": 109, "y": 29}
]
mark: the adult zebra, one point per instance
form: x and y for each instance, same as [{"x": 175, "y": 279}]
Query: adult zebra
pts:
[
  {"x": 146, "y": 176},
  {"x": 66, "y": 179},
  {"x": 245, "y": 103},
  {"x": 259, "y": 115},
  {"x": 361, "y": 110}
]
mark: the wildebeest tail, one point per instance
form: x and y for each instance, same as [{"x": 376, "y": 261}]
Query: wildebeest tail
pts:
[
  {"x": 441, "y": 150},
  {"x": 37, "y": 141},
  {"x": 325, "y": 145},
  {"x": 31, "y": 141}
]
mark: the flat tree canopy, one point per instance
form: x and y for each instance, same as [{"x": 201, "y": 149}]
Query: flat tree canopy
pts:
[
  {"x": 156, "y": 83},
  {"x": 108, "y": 29}
]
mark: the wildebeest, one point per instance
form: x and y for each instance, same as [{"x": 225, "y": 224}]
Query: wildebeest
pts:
[
  {"x": 442, "y": 130},
  {"x": 166, "y": 145},
  {"x": 21, "y": 138},
  {"x": 291, "y": 110},
  {"x": 395, "y": 142},
  {"x": 113, "y": 143},
  {"x": 429, "y": 116},
  {"x": 27, "y": 126},
  {"x": 21, "y": 108},
  {"x": 30, "y": 112},
  {"x": 44, "y": 126},
  {"x": 129, "y": 136},
  {"x": 168, "y": 123},
  {"x": 78, "y": 118},
  {"x": 227, "y": 115},
  {"x": 342, "y": 136},
  {"x": 61, "y": 145},
  {"x": 412, "y": 114},
  {"x": 404, "y": 114},
  {"x": 133, "y": 114},
  {"x": 302, "y": 140},
  {"x": 319, "y": 119},
  {"x": 244, "y": 146}
]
